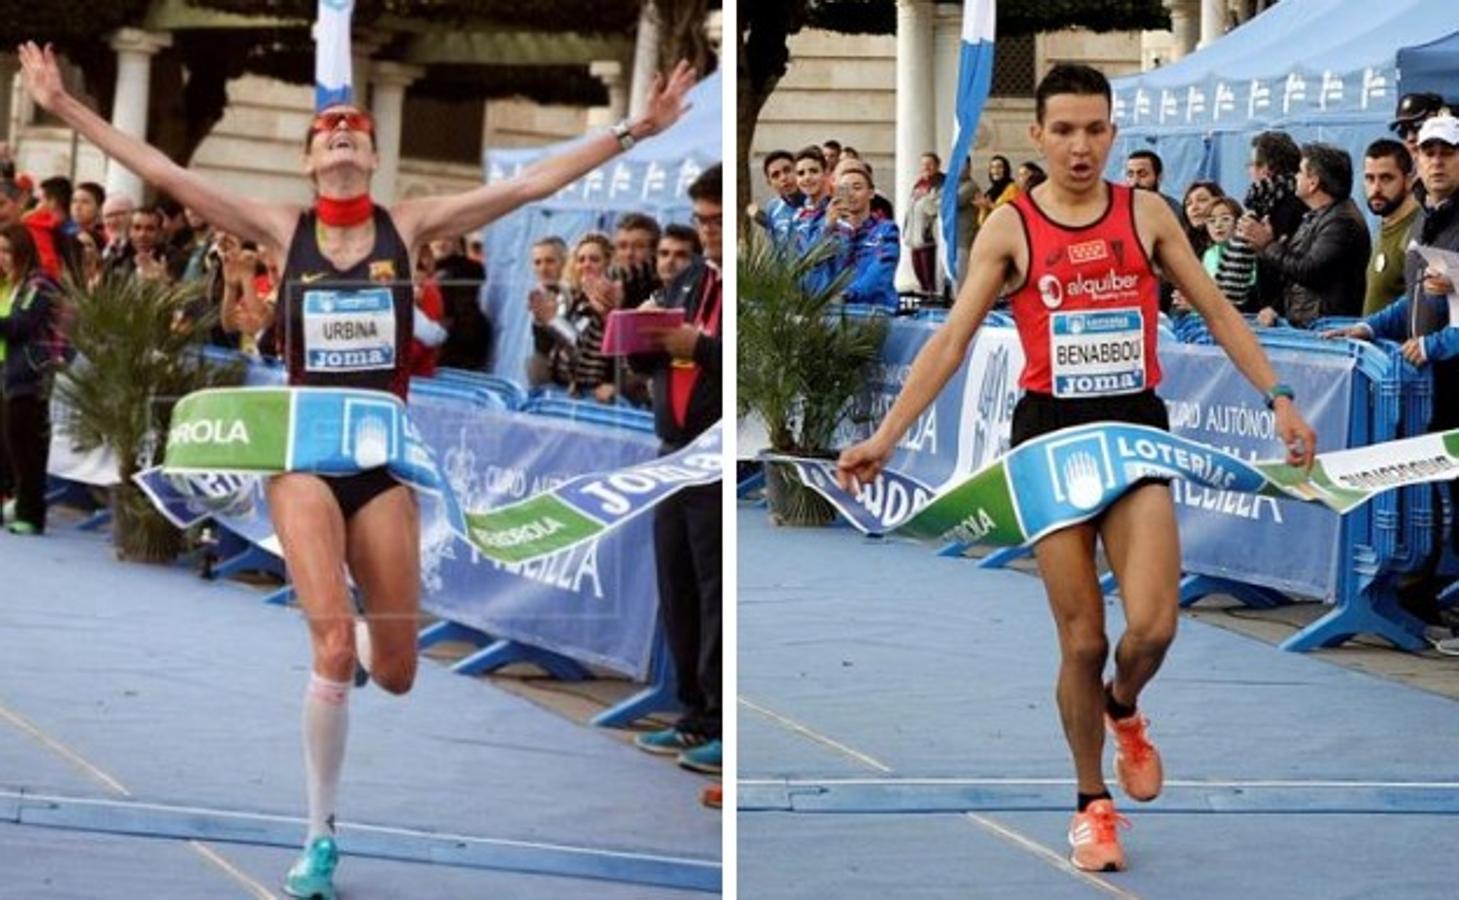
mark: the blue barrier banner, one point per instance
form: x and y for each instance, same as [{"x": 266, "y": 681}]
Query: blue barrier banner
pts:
[
  {"x": 1278, "y": 543},
  {"x": 968, "y": 425},
  {"x": 597, "y": 602}
]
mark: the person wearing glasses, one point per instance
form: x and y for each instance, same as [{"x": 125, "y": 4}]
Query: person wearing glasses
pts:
[
  {"x": 367, "y": 522},
  {"x": 687, "y": 531},
  {"x": 1412, "y": 112}
]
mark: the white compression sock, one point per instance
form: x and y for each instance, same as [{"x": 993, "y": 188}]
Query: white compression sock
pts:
[{"x": 326, "y": 723}]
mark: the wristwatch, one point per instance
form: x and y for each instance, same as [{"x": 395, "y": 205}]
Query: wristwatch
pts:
[
  {"x": 1279, "y": 390},
  {"x": 624, "y": 136}
]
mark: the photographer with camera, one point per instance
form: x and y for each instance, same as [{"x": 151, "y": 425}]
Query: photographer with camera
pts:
[{"x": 868, "y": 244}]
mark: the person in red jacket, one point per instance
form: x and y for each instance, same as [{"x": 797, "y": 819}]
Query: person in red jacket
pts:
[{"x": 47, "y": 223}]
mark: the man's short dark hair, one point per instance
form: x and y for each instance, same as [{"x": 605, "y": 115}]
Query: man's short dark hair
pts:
[
  {"x": 57, "y": 189},
  {"x": 679, "y": 232},
  {"x": 637, "y": 221},
  {"x": 96, "y": 191},
  {"x": 936, "y": 160},
  {"x": 811, "y": 152},
  {"x": 1277, "y": 151},
  {"x": 709, "y": 186},
  {"x": 1332, "y": 167},
  {"x": 1155, "y": 162},
  {"x": 833, "y": 144},
  {"x": 169, "y": 207},
  {"x": 152, "y": 211},
  {"x": 1070, "y": 78},
  {"x": 775, "y": 155},
  {"x": 1395, "y": 150}
]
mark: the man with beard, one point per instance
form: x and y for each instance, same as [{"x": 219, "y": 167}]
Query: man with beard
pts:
[{"x": 1387, "y": 175}]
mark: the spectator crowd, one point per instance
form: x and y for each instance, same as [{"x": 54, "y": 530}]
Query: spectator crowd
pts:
[{"x": 1293, "y": 250}]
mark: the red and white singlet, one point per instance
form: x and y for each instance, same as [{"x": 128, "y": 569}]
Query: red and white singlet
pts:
[{"x": 1088, "y": 308}]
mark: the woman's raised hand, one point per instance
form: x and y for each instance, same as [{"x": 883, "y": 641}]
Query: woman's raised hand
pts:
[
  {"x": 41, "y": 74},
  {"x": 666, "y": 98}
]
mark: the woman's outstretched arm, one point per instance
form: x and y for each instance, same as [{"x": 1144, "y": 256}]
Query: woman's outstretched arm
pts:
[
  {"x": 429, "y": 218},
  {"x": 262, "y": 222}
]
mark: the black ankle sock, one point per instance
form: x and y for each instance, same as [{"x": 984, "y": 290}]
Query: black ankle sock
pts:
[
  {"x": 1086, "y": 799},
  {"x": 1116, "y": 709}
]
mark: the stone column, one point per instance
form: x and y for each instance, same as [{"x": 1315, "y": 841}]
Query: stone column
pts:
[
  {"x": 947, "y": 42},
  {"x": 915, "y": 131},
  {"x": 135, "y": 49},
  {"x": 645, "y": 59},
  {"x": 388, "y": 81},
  {"x": 610, "y": 72},
  {"x": 1213, "y": 21},
  {"x": 1184, "y": 27}
]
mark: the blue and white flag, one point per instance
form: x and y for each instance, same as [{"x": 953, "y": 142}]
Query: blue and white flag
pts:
[
  {"x": 332, "y": 62},
  {"x": 975, "y": 75}
]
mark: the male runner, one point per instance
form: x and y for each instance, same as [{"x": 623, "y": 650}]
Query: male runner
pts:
[{"x": 1078, "y": 243}]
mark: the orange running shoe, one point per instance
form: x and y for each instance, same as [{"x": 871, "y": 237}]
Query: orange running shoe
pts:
[
  {"x": 1137, "y": 762},
  {"x": 713, "y": 796},
  {"x": 1094, "y": 836}
]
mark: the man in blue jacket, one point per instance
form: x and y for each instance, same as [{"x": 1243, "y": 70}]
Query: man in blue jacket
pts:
[{"x": 867, "y": 244}]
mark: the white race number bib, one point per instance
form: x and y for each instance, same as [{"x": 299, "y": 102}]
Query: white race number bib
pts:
[
  {"x": 349, "y": 331},
  {"x": 1095, "y": 354}
]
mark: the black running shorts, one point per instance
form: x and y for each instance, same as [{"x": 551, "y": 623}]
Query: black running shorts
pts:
[
  {"x": 352, "y": 492},
  {"x": 1039, "y": 414}
]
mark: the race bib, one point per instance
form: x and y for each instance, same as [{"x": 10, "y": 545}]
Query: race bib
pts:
[
  {"x": 1096, "y": 354},
  {"x": 349, "y": 331}
]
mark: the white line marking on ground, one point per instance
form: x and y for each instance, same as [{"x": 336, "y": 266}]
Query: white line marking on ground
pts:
[
  {"x": 1039, "y": 851},
  {"x": 792, "y": 725},
  {"x": 212, "y": 856},
  {"x": 63, "y": 751},
  {"x": 95, "y": 772},
  {"x": 1049, "y": 856}
]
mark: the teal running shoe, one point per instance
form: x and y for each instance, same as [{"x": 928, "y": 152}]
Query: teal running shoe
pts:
[
  {"x": 312, "y": 877},
  {"x": 707, "y": 758},
  {"x": 669, "y": 742}
]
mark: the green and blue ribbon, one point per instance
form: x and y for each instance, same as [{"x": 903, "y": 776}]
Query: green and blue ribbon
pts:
[{"x": 222, "y": 441}]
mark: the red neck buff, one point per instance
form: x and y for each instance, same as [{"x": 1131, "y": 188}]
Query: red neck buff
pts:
[{"x": 344, "y": 213}]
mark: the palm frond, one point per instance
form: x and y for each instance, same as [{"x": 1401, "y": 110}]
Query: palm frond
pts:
[
  {"x": 802, "y": 359},
  {"x": 133, "y": 360}
]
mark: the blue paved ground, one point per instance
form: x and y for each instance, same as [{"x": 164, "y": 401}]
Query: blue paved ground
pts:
[
  {"x": 188, "y": 693},
  {"x": 866, "y": 659}
]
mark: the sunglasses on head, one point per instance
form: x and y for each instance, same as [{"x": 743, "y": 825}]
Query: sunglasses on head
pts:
[{"x": 353, "y": 119}]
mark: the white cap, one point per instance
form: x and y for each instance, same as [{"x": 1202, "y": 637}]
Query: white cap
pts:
[{"x": 1440, "y": 128}]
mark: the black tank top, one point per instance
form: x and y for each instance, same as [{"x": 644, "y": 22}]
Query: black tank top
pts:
[{"x": 353, "y": 327}]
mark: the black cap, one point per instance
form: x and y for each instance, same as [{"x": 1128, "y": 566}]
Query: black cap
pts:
[{"x": 1413, "y": 107}]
